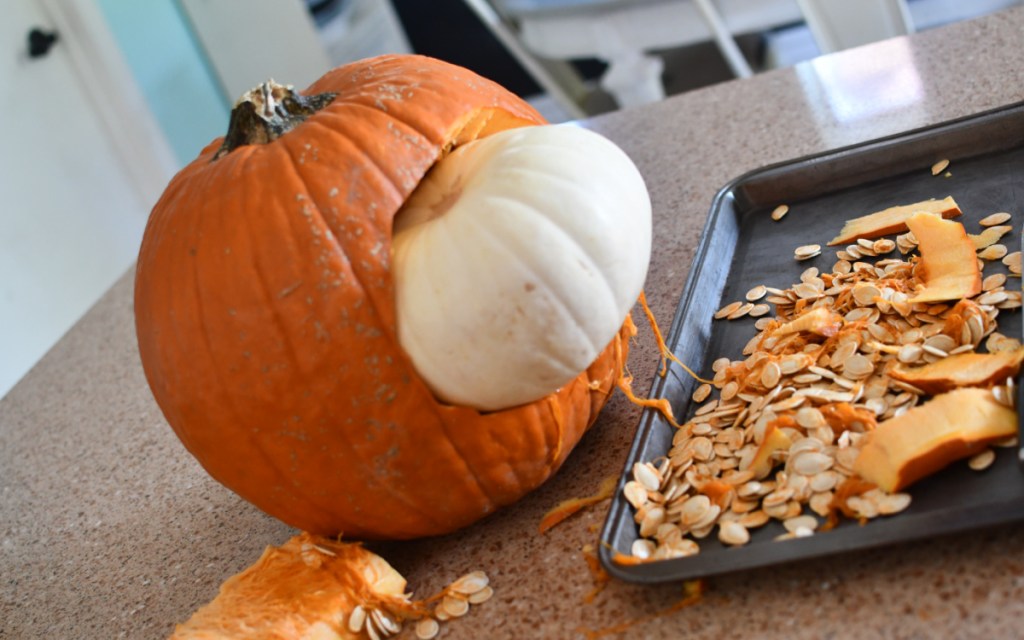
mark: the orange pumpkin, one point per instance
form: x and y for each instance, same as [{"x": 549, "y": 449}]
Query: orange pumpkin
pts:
[{"x": 265, "y": 315}]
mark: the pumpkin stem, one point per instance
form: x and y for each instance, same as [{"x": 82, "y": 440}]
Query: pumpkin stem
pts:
[{"x": 267, "y": 112}]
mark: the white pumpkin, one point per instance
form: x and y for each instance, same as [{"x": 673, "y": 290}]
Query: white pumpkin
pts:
[{"x": 516, "y": 261}]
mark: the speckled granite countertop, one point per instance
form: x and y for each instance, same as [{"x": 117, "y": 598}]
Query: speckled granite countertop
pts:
[{"x": 108, "y": 529}]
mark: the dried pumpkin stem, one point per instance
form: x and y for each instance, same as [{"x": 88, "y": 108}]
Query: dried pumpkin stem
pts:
[{"x": 267, "y": 112}]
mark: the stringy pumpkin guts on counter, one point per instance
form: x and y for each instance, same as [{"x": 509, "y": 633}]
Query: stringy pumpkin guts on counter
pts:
[{"x": 867, "y": 378}]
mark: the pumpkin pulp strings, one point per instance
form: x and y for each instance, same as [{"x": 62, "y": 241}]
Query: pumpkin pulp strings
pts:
[
  {"x": 567, "y": 508},
  {"x": 625, "y": 381}
]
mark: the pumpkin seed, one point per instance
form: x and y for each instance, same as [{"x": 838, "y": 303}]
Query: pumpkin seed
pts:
[
  {"x": 1004, "y": 396},
  {"x": 883, "y": 246},
  {"x": 910, "y": 353},
  {"x": 778, "y": 497},
  {"x": 992, "y": 297},
  {"x": 982, "y": 461},
  {"x": 652, "y": 519},
  {"x": 733, "y": 533},
  {"x": 470, "y": 583},
  {"x": 756, "y": 293},
  {"x": 807, "y": 251},
  {"x": 702, "y": 448},
  {"x": 642, "y": 548},
  {"x": 863, "y": 507},
  {"x": 810, "y": 463},
  {"x": 1013, "y": 300},
  {"x": 708, "y": 521},
  {"x": 824, "y": 481},
  {"x": 701, "y": 393},
  {"x": 743, "y": 310},
  {"x": 1013, "y": 262},
  {"x": 993, "y": 252},
  {"x": 729, "y": 391},
  {"x": 752, "y": 488},
  {"x": 384, "y": 624},
  {"x": 454, "y": 606},
  {"x": 427, "y": 629},
  {"x": 821, "y": 503},
  {"x": 770, "y": 375},
  {"x": 807, "y": 291},
  {"x": 481, "y": 596},
  {"x": 728, "y": 309},
  {"x": 754, "y": 519},
  {"x": 935, "y": 351},
  {"x": 695, "y": 509},
  {"x": 371, "y": 631},
  {"x": 890, "y": 503},
  {"x": 993, "y": 282},
  {"x": 357, "y": 619},
  {"x": 719, "y": 364},
  {"x": 647, "y": 475},
  {"x": 858, "y": 366},
  {"x": 800, "y": 522},
  {"x": 993, "y": 219},
  {"x": 635, "y": 493},
  {"x": 759, "y": 310}
]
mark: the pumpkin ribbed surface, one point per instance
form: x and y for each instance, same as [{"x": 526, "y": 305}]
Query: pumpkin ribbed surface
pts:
[{"x": 265, "y": 317}]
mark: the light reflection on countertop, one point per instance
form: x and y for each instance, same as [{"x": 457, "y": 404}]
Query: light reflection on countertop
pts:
[{"x": 845, "y": 90}]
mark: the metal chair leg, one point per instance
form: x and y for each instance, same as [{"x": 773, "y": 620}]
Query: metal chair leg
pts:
[{"x": 534, "y": 66}]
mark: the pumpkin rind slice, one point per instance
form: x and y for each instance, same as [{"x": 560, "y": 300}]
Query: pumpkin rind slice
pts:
[
  {"x": 892, "y": 220},
  {"x": 265, "y": 316},
  {"x": 961, "y": 370},
  {"x": 948, "y": 268},
  {"x": 304, "y": 589},
  {"x": 928, "y": 437}
]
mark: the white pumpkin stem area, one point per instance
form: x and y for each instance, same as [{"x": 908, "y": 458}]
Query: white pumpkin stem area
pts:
[{"x": 516, "y": 261}]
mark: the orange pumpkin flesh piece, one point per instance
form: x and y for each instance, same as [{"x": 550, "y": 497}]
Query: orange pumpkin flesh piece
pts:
[
  {"x": 819, "y": 320},
  {"x": 961, "y": 370},
  {"x": 892, "y": 220},
  {"x": 775, "y": 439},
  {"x": 306, "y": 588},
  {"x": 928, "y": 437},
  {"x": 265, "y": 316},
  {"x": 948, "y": 267}
]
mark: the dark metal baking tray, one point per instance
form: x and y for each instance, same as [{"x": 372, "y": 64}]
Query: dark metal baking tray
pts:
[{"x": 741, "y": 247}]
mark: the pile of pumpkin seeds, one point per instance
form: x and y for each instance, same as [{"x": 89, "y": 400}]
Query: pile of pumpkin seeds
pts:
[
  {"x": 828, "y": 391},
  {"x": 453, "y": 602}
]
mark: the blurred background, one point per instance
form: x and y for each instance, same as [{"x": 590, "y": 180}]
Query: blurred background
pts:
[{"x": 105, "y": 99}]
